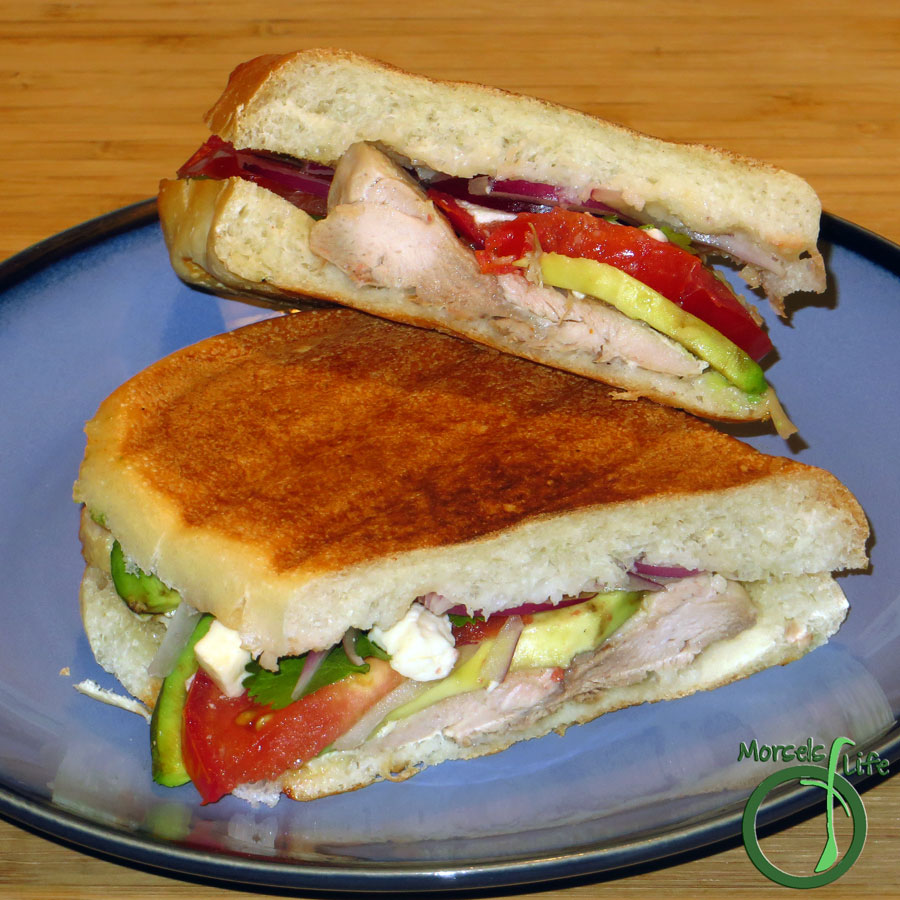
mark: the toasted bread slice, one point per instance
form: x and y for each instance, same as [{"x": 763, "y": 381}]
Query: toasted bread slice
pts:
[{"x": 319, "y": 471}]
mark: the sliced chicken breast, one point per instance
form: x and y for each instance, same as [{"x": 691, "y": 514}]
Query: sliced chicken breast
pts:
[
  {"x": 672, "y": 627},
  {"x": 668, "y": 631},
  {"x": 381, "y": 229}
]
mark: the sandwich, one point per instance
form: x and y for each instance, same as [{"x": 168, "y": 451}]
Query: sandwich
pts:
[
  {"x": 531, "y": 228},
  {"x": 328, "y": 549}
]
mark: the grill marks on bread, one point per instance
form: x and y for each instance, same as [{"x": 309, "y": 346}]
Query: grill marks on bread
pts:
[{"x": 328, "y": 438}]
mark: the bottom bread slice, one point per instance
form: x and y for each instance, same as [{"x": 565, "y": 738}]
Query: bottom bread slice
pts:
[{"x": 238, "y": 239}]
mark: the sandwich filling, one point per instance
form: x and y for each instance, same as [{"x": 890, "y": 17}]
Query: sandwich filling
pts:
[
  {"x": 487, "y": 251},
  {"x": 223, "y": 721}
]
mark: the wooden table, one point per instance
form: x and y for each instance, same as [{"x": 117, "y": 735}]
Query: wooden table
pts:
[{"x": 100, "y": 99}]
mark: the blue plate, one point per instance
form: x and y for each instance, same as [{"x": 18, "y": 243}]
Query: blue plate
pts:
[{"x": 82, "y": 312}]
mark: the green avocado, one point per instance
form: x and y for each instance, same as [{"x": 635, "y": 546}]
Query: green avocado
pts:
[
  {"x": 165, "y": 723},
  {"x": 143, "y": 592},
  {"x": 465, "y": 677},
  {"x": 550, "y": 638},
  {"x": 638, "y": 301},
  {"x": 555, "y": 637}
]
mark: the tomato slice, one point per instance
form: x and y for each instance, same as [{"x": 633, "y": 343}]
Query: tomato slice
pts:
[
  {"x": 671, "y": 270},
  {"x": 477, "y": 630},
  {"x": 227, "y": 742},
  {"x": 461, "y": 219}
]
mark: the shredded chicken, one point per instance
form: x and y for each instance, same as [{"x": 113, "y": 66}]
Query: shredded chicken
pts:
[
  {"x": 465, "y": 716},
  {"x": 577, "y": 321},
  {"x": 381, "y": 229}
]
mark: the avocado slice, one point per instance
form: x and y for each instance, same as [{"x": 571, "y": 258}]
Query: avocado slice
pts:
[
  {"x": 550, "y": 638},
  {"x": 638, "y": 301},
  {"x": 143, "y": 592},
  {"x": 165, "y": 723},
  {"x": 555, "y": 637},
  {"x": 465, "y": 677}
]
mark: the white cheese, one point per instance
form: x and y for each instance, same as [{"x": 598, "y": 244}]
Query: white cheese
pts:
[
  {"x": 484, "y": 215},
  {"x": 421, "y": 644},
  {"x": 223, "y": 658}
]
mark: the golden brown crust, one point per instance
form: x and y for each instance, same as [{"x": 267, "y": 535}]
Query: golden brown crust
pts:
[
  {"x": 243, "y": 83},
  {"x": 330, "y": 438}
]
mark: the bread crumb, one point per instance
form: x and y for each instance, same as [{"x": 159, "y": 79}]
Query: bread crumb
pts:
[{"x": 95, "y": 692}]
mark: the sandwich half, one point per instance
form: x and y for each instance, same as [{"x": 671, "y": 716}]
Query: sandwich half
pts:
[
  {"x": 461, "y": 207},
  {"x": 331, "y": 549}
]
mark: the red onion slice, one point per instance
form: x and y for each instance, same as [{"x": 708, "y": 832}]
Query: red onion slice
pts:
[
  {"x": 639, "y": 583},
  {"x": 310, "y": 667},
  {"x": 527, "y": 609},
  {"x": 538, "y": 193},
  {"x": 500, "y": 657},
  {"x": 178, "y": 629},
  {"x": 533, "y": 191},
  {"x": 437, "y": 603},
  {"x": 300, "y": 180},
  {"x": 285, "y": 175},
  {"x": 473, "y": 190},
  {"x": 305, "y": 184},
  {"x": 349, "y": 644},
  {"x": 405, "y": 693},
  {"x": 654, "y": 571}
]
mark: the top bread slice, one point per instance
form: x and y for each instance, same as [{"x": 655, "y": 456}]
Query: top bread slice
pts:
[
  {"x": 314, "y": 104},
  {"x": 321, "y": 470}
]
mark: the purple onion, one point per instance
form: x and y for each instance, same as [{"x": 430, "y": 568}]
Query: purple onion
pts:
[{"x": 310, "y": 667}]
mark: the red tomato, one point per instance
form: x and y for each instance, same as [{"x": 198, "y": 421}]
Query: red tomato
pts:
[
  {"x": 461, "y": 219},
  {"x": 667, "y": 268},
  {"x": 477, "y": 631},
  {"x": 227, "y": 742}
]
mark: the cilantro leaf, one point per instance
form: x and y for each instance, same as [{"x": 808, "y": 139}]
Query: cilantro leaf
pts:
[
  {"x": 674, "y": 237},
  {"x": 458, "y": 621},
  {"x": 366, "y": 647},
  {"x": 274, "y": 689}
]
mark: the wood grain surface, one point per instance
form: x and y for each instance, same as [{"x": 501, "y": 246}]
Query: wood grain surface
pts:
[{"x": 99, "y": 100}]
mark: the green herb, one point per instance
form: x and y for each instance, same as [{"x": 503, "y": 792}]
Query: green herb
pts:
[
  {"x": 459, "y": 621},
  {"x": 275, "y": 689},
  {"x": 367, "y": 647},
  {"x": 674, "y": 237}
]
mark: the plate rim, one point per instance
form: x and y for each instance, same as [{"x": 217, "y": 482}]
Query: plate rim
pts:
[{"x": 713, "y": 831}]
